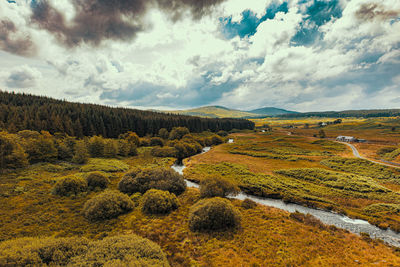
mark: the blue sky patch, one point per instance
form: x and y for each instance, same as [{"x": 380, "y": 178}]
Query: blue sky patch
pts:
[
  {"x": 316, "y": 15},
  {"x": 249, "y": 23}
]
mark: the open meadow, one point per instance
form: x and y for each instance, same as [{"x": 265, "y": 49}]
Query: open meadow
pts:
[{"x": 265, "y": 164}]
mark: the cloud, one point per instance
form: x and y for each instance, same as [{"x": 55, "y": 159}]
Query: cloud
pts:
[
  {"x": 13, "y": 41},
  {"x": 372, "y": 11},
  {"x": 98, "y": 20},
  {"x": 23, "y": 77},
  {"x": 302, "y": 55}
]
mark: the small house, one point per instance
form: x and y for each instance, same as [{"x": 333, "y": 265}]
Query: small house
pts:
[{"x": 342, "y": 138}]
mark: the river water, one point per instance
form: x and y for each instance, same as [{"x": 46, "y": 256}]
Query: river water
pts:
[{"x": 327, "y": 217}]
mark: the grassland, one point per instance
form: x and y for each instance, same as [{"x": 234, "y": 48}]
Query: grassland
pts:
[
  {"x": 305, "y": 170},
  {"x": 268, "y": 236}
]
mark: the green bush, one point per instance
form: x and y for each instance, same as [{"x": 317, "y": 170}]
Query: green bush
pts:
[
  {"x": 28, "y": 251},
  {"x": 248, "y": 204},
  {"x": 81, "y": 155},
  {"x": 178, "y": 133},
  {"x": 136, "y": 197},
  {"x": 213, "y": 214},
  {"x": 156, "y": 141},
  {"x": 124, "y": 250},
  {"x": 217, "y": 187},
  {"x": 222, "y": 133},
  {"x": 159, "y": 202},
  {"x": 164, "y": 152},
  {"x": 12, "y": 155},
  {"x": 70, "y": 185},
  {"x": 96, "y": 146},
  {"x": 107, "y": 205},
  {"x": 96, "y": 179},
  {"x": 160, "y": 178}
]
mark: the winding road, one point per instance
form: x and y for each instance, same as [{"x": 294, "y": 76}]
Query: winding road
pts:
[{"x": 357, "y": 155}]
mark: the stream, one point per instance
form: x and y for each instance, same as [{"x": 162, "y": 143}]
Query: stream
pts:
[{"x": 331, "y": 218}]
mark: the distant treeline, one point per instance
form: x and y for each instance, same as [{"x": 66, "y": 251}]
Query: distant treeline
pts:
[
  {"x": 27, "y": 112},
  {"x": 368, "y": 113}
]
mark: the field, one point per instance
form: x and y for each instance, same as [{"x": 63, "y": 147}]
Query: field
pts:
[
  {"x": 306, "y": 170},
  {"x": 267, "y": 236}
]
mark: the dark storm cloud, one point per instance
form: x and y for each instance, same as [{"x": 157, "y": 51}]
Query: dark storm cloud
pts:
[
  {"x": 11, "y": 40},
  {"x": 98, "y": 20},
  {"x": 373, "y": 11}
]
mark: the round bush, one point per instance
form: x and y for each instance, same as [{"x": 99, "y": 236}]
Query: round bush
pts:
[
  {"x": 159, "y": 202},
  {"x": 48, "y": 251},
  {"x": 248, "y": 204},
  {"x": 96, "y": 179},
  {"x": 124, "y": 250},
  {"x": 217, "y": 187},
  {"x": 70, "y": 185},
  {"x": 162, "y": 179},
  {"x": 213, "y": 214},
  {"x": 107, "y": 205}
]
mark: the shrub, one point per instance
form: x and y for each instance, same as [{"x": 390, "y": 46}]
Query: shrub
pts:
[
  {"x": 164, "y": 152},
  {"x": 144, "y": 141},
  {"x": 217, "y": 187},
  {"x": 96, "y": 146},
  {"x": 110, "y": 148},
  {"x": 70, "y": 185},
  {"x": 107, "y": 205},
  {"x": 248, "y": 204},
  {"x": 81, "y": 155},
  {"x": 124, "y": 250},
  {"x": 128, "y": 183},
  {"x": 156, "y": 141},
  {"x": 28, "y": 251},
  {"x": 12, "y": 155},
  {"x": 213, "y": 214},
  {"x": 136, "y": 198},
  {"x": 159, "y": 202},
  {"x": 131, "y": 137},
  {"x": 96, "y": 179},
  {"x": 222, "y": 133},
  {"x": 162, "y": 179},
  {"x": 178, "y": 132},
  {"x": 163, "y": 133},
  {"x": 126, "y": 148},
  {"x": 41, "y": 149},
  {"x": 214, "y": 140}
]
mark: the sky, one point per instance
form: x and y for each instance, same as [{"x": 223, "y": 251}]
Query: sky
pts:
[{"x": 301, "y": 55}]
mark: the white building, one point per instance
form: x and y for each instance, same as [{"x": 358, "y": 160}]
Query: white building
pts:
[{"x": 342, "y": 138}]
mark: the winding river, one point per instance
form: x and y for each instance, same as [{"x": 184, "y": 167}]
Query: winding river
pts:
[{"x": 327, "y": 217}]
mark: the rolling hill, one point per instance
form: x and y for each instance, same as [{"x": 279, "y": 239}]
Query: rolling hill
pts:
[
  {"x": 271, "y": 111},
  {"x": 223, "y": 112},
  {"x": 214, "y": 112}
]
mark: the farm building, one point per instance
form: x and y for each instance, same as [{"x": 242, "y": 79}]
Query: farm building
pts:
[{"x": 346, "y": 138}]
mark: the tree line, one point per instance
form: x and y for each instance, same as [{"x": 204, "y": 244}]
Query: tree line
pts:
[
  {"x": 368, "y": 113},
  {"x": 38, "y": 113}
]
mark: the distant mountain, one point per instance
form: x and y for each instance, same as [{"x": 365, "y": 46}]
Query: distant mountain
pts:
[
  {"x": 271, "y": 111},
  {"x": 224, "y": 112},
  {"x": 215, "y": 112}
]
